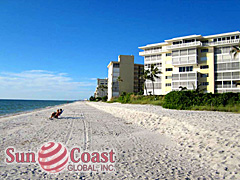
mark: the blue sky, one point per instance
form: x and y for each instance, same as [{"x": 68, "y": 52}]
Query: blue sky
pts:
[{"x": 55, "y": 49}]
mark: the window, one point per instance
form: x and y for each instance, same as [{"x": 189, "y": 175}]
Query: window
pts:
[
  {"x": 153, "y": 57},
  {"x": 168, "y": 54},
  {"x": 189, "y": 40},
  {"x": 203, "y": 58},
  {"x": 116, "y": 65},
  {"x": 183, "y": 52},
  {"x": 189, "y": 68},
  {"x": 177, "y": 42},
  {"x": 175, "y": 53},
  {"x": 184, "y": 59},
  {"x": 186, "y": 69},
  {"x": 204, "y": 67},
  {"x": 192, "y": 51},
  {"x": 205, "y": 83},
  {"x": 169, "y": 69},
  {"x": 181, "y": 69},
  {"x": 217, "y": 50},
  {"x": 192, "y": 58},
  {"x": 204, "y": 50},
  {"x": 168, "y": 84},
  {"x": 204, "y": 75},
  {"x": 168, "y": 77},
  {"x": 159, "y": 64}
]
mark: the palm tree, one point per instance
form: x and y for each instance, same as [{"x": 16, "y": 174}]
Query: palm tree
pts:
[
  {"x": 102, "y": 87},
  {"x": 235, "y": 51},
  {"x": 119, "y": 79},
  {"x": 144, "y": 77},
  {"x": 198, "y": 89},
  {"x": 182, "y": 88},
  {"x": 154, "y": 74}
]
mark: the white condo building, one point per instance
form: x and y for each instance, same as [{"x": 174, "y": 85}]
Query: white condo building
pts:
[{"x": 192, "y": 60}]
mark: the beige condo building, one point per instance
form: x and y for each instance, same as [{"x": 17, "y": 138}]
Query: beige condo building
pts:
[
  {"x": 124, "y": 76},
  {"x": 192, "y": 60}
]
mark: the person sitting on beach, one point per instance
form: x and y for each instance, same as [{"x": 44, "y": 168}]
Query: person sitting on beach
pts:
[
  {"x": 61, "y": 111},
  {"x": 56, "y": 114}
]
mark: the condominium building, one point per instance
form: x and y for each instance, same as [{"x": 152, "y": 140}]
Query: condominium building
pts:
[
  {"x": 124, "y": 76},
  {"x": 102, "y": 88},
  {"x": 194, "y": 60}
]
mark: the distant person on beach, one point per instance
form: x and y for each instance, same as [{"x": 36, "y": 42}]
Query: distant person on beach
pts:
[{"x": 56, "y": 114}]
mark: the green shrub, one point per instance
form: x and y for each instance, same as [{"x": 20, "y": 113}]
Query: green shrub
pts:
[
  {"x": 190, "y": 99},
  {"x": 104, "y": 98},
  {"x": 98, "y": 99},
  {"x": 92, "y": 98}
]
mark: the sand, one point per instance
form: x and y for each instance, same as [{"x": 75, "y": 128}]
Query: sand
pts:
[{"x": 151, "y": 142}]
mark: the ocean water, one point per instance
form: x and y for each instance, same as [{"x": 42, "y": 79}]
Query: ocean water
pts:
[{"x": 16, "y": 106}]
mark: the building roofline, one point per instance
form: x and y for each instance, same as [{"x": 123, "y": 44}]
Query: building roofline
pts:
[
  {"x": 111, "y": 62},
  {"x": 153, "y": 45},
  {"x": 184, "y": 37},
  {"x": 102, "y": 78},
  {"x": 222, "y": 34},
  {"x": 167, "y": 42},
  {"x": 139, "y": 64}
]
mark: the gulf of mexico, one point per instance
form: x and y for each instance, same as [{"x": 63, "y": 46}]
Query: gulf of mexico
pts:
[{"x": 15, "y": 106}]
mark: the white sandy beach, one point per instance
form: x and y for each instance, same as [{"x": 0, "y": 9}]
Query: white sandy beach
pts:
[{"x": 151, "y": 142}]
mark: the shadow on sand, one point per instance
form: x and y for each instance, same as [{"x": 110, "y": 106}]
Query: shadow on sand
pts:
[{"x": 70, "y": 118}]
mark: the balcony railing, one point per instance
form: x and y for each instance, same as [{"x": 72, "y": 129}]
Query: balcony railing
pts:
[
  {"x": 218, "y": 86},
  {"x": 148, "y": 52},
  {"x": 232, "y": 41},
  {"x": 192, "y": 44},
  {"x": 235, "y": 77},
  {"x": 228, "y": 77},
  {"x": 227, "y": 86},
  {"x": 224, "y": 90},
  {"x": 188, "y": 76},
  {"x": 184, "y": 60},
  {"x": 188, "y": 84}
]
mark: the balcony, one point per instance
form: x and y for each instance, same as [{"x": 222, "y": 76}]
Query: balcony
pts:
[
  {"x": 231, "y": 42},
  {"x": 150, "y": 52},
  {"x": 224, "y": 90},
  {"x": 185, "y": 76},
  {"x": 185, "y": 45},
  {"x": 188, "y": 80},
  {"x": 232, "y": 66},
  {"x": 231, "y": 77},
  {"x": 236, "y": 77},
  {"x": 184, "y": 60},
  {"x": 188, "y": 84}
]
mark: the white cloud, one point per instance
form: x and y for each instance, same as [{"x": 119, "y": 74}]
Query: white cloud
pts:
[{"x": 41, "y": 84}]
